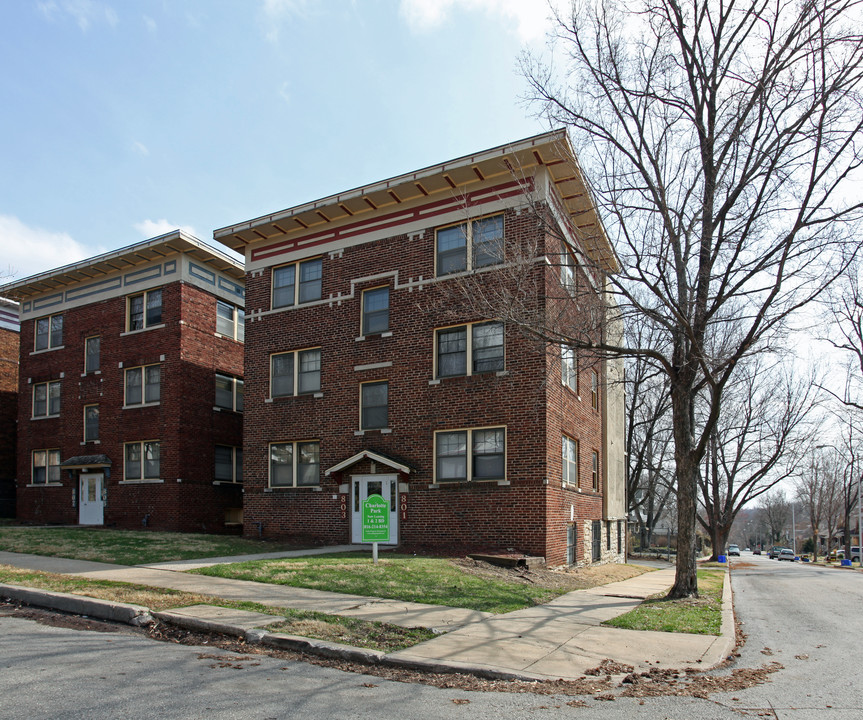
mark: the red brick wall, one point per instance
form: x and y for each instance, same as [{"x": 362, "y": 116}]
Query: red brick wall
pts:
[
  {"x": 184, "y": 422},
  {"x": 529, "y": 514},
  {"x": 8, "y": 415}
]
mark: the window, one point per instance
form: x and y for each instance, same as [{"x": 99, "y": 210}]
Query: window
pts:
[
  {"x": 487, "y": 460},
  {"x": 570, "y": 461},
  {"x": 568, "y": 368},
  {"x": 295, "y": 464},
  {"x": 376, "y": 311},
  {"x": 229, "y": 392},
  {"x": 49, "y": 332},
  {"x": 229, "y": 464},
  {"x": 567, "y": 268},
  {"x": 608, "y": 534},
  {"x": 46, "y": 399},
  {"x": 295, "y": 373},
  {"x": 484, "y": 353},
  {"x": 469, "y": 246},
  {"x": 92, "y": 350},
  {"x": 596, "y": 540},
  {"x": 287, "y": 291},
  {"x": 594, "y": 390},
  {"x": 594, "y": 470},
  {"x": 46, "y": 467},
  {"x": 91, "y": 423},
  {"x": 373, "y": 405},
  {"x": 230, "y": 321},
  {"x": 141, "y": 460},
  {"x": 570, "y": 544},
  {"x": 144, "y": 310},
  {"x": 143, "y": 385},
  {"x": 619, "y": 536}
]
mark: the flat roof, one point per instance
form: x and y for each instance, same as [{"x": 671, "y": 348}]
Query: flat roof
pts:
[
  {"x": 551, "y": 150},
  {"x": 170, "y": 243}
]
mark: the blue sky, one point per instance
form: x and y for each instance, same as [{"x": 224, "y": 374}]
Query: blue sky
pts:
[{"x": 122, "y": 119}]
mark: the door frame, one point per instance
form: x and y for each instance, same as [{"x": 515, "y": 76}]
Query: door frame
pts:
[{"x": 390, "y": 491}]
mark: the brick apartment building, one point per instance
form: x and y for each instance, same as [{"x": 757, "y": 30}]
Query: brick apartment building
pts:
[
  {"x": 130, "y": 389},
  {"x": 361, "y": 381},
  {"x": 8, "y": 403}
]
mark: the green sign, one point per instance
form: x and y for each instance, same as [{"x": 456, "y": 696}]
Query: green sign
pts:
[{"x": 376, "y": 519}]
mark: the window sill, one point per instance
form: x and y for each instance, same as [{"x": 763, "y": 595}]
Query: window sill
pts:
[
  {"x": 496, "y": 373},
  {"x": 51, "y": 349},
  {"x": 91, "y": 442},
  {"x": 92, "y": 372},
  {"x": 146, "y": 329},
  {"x": 228, "y": 482},
  {"x": 288, "y": 397},
  {"x": 385, "y": 334},
  {"x": 141, "y": 405},
  {"x": 41, "y": 485},
  {"x": 45, "y": 417},
  {"x": 383, "y": 431},
  {"x": 147, "y": 481},
  {"x": 216, "y": 408},
  {"x": 227, "y": 337},
  {"x": 313, "y": 488}
]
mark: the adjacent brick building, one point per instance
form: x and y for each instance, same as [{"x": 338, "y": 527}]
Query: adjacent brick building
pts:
[
  {"x": 131, "y": 387},
  {"x": 362, "y": 380},
  {"x": 8, "y": 403}
]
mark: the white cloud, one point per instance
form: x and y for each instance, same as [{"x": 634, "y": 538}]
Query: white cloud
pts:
[
  {"x": 31, "y": 250},
  {"x": 140, "y": 148},
  {"x": 83, "y": 12},
  {"x": 150, "y": 24},
  {"x": 154, "y": 228},
  {"x": 275, "y": 12},
  {"x": 529, "y": 18}
]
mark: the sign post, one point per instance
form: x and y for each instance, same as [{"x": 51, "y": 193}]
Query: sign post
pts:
[{"x": 376, "y": 522}]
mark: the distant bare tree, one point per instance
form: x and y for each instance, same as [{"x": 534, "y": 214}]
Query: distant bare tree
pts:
[
  {"x": 775, "y": 513},
  {"x": 812, "y": 494},
  {"x": 757, "y": 442}
]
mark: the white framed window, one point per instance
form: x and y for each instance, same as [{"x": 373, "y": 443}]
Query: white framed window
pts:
[
  {"x": 230, "y": 321},
  {"x": 49, "y": 332},
  {"x": 374, "y": 405},
  {"x": 469, "y": 246},
  {"x": 92, "y": 353},
  {"x": 46, "y": 399},
  {"x": 295, "y": 464},
  {"x": 142, "y": 460},
  {"x": 295, "y": 373},
  {"x": 594, "y": 473},
  {"x": 570, "y": 461},
  {"x": 594, "y": 389},
  {"x": 376, "y": 311},
  {"x": 229, "y": 464},
  {"x": 567, "y": 268},
  {"x": 470, "y": 455},
  {"x": 45, "y": 467},
  {"x": 144, "y": 310},
  {"x": 91, "y": 423},
  {"x": 568, "y": 368},
  {"x": 297, "y": 283},
  {"x": 229, "y": 392},
  {"x": 469, "y": 349},
  {"x": 143, "y": 385}
]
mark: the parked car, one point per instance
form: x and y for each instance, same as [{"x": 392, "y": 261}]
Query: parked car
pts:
[
  {"x": 756, "y": 551},
  {"x": 786, "y": 554},
  {"x": 773, "y": 552},
  {"x": 855, "y": 554},
  {"x": 733, "y": 550}
]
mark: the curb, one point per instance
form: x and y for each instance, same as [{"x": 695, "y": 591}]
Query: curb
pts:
[{"x": 79, "y": 605}]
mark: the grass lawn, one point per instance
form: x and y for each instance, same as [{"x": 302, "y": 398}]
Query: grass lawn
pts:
[
  {"x": 349, "y": 631},
  {"x": 126, "y": 547},
  {"x": 700, "y": 616},
  {"x": 437, "y": 581}
]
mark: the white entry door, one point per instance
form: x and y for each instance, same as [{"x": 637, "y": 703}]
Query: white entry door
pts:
[
  {"x": 91, "y": 506},
  {"x": 362, "y": 486}
]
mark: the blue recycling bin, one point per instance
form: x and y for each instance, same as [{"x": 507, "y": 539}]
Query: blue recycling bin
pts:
[
  {"x": 846, "y": 563},
  {"x": 722, "y": 559}
]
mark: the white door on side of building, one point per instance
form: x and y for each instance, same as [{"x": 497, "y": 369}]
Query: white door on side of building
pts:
[
  {"x": 91, "y": 506},
  {"x": 362, "y": 486}
]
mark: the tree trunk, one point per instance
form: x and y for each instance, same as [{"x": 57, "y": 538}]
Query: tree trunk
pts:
[{"x": 686, "y": 578}]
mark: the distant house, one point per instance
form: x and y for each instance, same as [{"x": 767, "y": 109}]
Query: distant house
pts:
[
  {"x": 131, "y": 389},
  {"x": 9, "y": 335},
  {"x": 360, "y": 384}
]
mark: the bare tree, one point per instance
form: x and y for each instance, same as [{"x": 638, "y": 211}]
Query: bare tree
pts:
[
  {"x": 719, "y": 138},
  {"x": 756, "y": 443},
  {"x": 812, "y": 493},
  {"x": 775, "y": 513}
]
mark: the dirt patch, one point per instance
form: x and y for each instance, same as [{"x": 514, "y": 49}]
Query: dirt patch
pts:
[{"x": 565, "y": 579}]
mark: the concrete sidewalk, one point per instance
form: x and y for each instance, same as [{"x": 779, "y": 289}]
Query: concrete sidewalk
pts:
[{"x": 560, "y": 639}]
